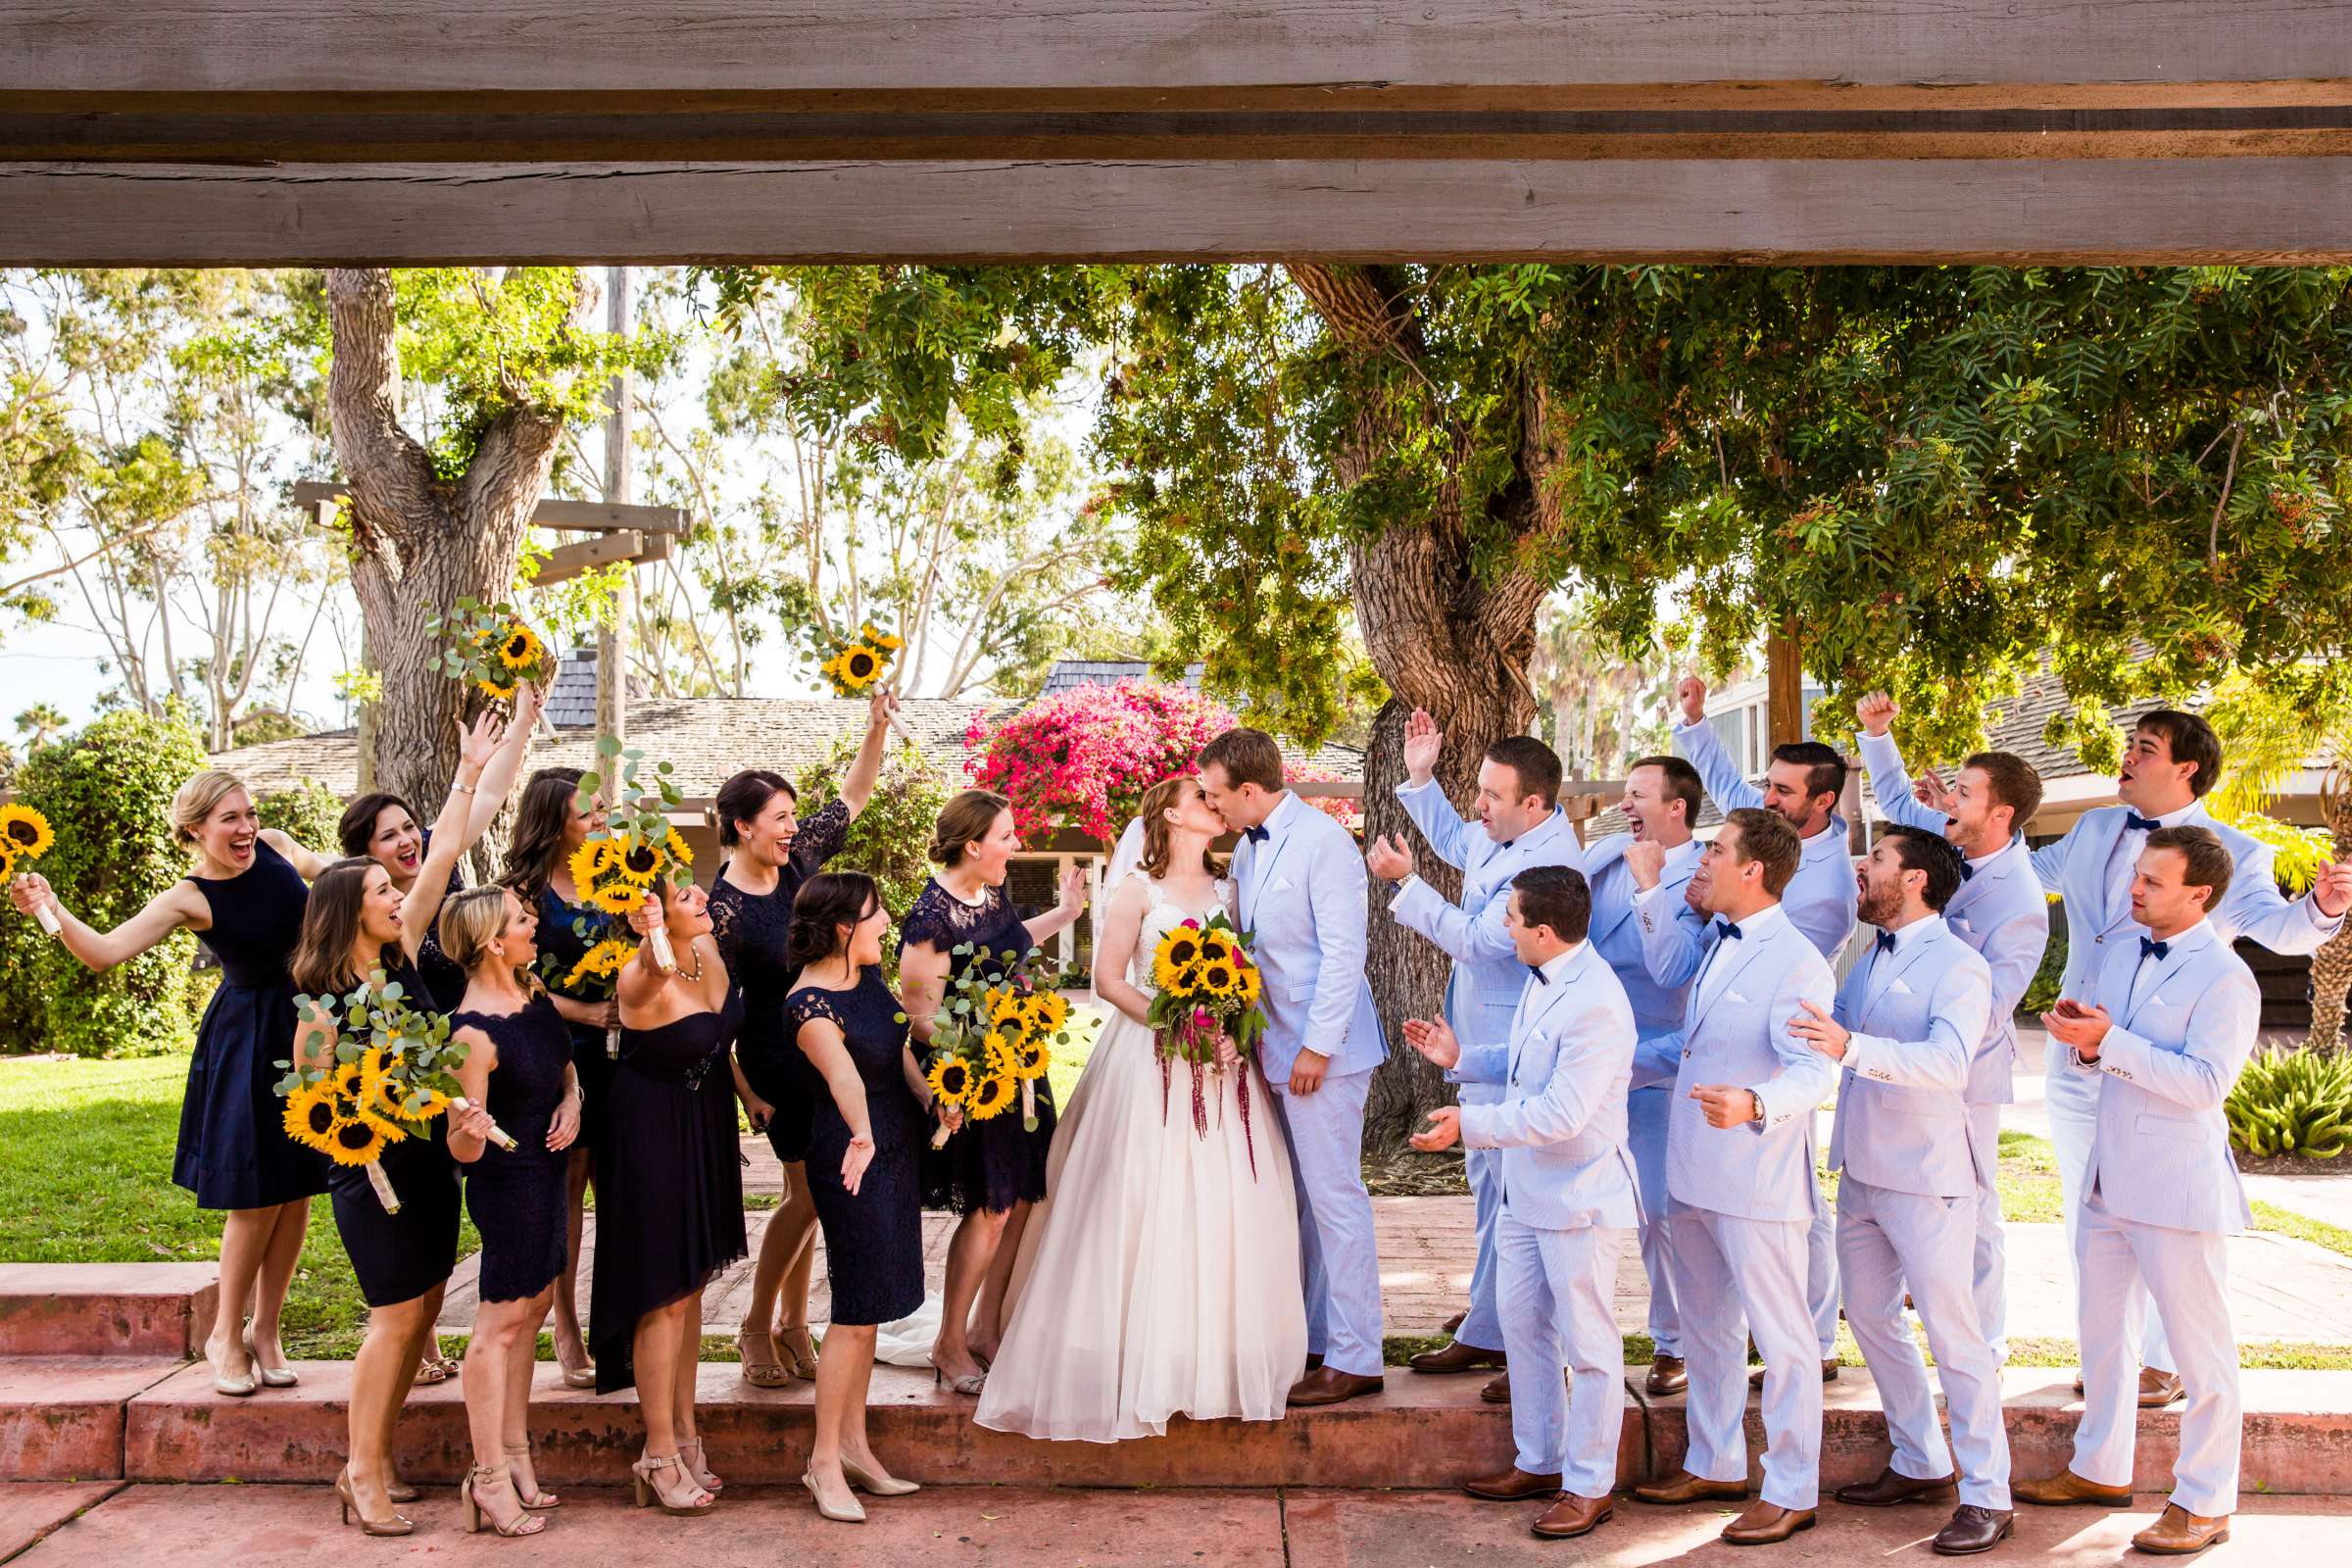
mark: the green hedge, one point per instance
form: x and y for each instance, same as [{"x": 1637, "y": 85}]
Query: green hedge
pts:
[{"x": 306, "y": 814}]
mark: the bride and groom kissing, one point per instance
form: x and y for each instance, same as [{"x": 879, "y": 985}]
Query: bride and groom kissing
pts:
[{"x": 1219, "y": 1274}]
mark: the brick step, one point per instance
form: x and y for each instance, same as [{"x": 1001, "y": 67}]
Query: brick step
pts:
[
  {"x": 62, "y": 1417},
  {"x": 1421, "y": 1433},
  {"x": 120, "y": 1309}
]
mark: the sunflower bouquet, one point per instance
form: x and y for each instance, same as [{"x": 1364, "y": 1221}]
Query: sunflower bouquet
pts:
[
  {"x": 493, "y": 649},
  {"x": 994, "y": 1036},
  {"x": 613, "y": 869},
  {"x": 596, "y": 976},
  {"x": 24, "y": 837},
  {"x": 1204, "y": 1012},
  {"x": 392, "y": 1070},
  {"x": 852, "y": 666}
]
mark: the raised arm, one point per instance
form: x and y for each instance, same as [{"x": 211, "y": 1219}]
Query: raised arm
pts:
[
  {"x": 477, "y": 744},
  {"x": 181, "y": 904},
  {"x": 1702, "y": 751},
  {"x": 2257, "y": 910},
  {"x": 865, "y": 768},
  {"x": 504, "y": 766},
  {"x": 1071, "y": 905},
  {"x": 298, "y": 855},
  {"x": 1463, "y": 937},
  {"x": 1890, "y": 785},
  {"x": 1447, "y": 829}
]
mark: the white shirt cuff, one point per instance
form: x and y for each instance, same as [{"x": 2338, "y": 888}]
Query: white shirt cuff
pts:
[{"x": 1404, "y": 889}]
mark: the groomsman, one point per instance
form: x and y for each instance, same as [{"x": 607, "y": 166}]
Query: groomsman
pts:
[
  {"x": 1661, "y": 802},
  {"x": 2169, "y": 1022},
  {"x": 1517, "y": 823},
  {"x": 1909, "y": 1020},
  {"x": 1739, "y": 1183},
  {"x": 1801, "y": 784},
  {"x": 2172, "y": 759},
  {"x": 2001, "y": 912},
  {"x": 1557, "y": 1131}
]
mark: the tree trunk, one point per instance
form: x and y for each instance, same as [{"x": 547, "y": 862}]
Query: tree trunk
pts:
[
  {"x": 2331, "y": 965},
  {"x": 420, "y": 543}
]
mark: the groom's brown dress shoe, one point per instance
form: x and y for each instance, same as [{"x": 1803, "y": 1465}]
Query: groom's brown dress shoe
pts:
[
  {"x": 1766, "y": 1522},
  {"x": 1667, "y": 1375},
  {"x": 1683, "y": 1487},
  {"x": 1892, "y": 1488},
  {"x": 2067, "y": 1489},
  {"x": 1497, "y": 1389},
  {"x": 1570, "y": 1517},
  {"x": 1455, "y": 1358},
  {"x": 1829, "y": 1373},
  {"x": 1329, "y": 1386},
  {"x": 2159, "y": 1389},
  {"x": 1972, "y": 1530},
  {"x": 1512, "y": 1485},
  {"x": 1453, "y": 1324},
  {"x": 2179, "y": 1533}
]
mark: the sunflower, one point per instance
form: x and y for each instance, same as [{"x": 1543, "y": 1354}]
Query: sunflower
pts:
[
  {"x": 1051, "y": 1009},
  {"x": 880, "y": 638},
  {"x": 613, "y": 898},
  {"x": 311, "y": 1115},
  {"x": 1013, "y": 1009},
  {"x": 592, "y": 859},
  {"x": 860, "y": 665},
  {"x": 951, "y": 1079},
  {"x": 381, "y": 1091},
  {"x": 994, "y": 1094},
  {"x": 638, "y": 863},
  {"x": 1000, "y": 1051},
  {"x": 357, "y": 1143},
  {"x": 24, "y": 832},
  {"x": 675, "y": 848},
  {"x": 1181, "y": 947},
  {"x": 1215, "y": 948},
  {"x": 608, "y": 957},
  {"x": 493, "y": 689},
  {"x": 1250, "y": 988},
  {"x": 429, "y": 1102},
  {"x": 520, "y": 649},
  {"x": 1219, "y": 977},
  {"x": 347, "y": 1082},
  {"x": 1031, "y": 1059}
]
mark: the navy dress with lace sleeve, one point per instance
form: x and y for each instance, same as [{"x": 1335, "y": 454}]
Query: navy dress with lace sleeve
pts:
[{"x": 873, "y": 1237}]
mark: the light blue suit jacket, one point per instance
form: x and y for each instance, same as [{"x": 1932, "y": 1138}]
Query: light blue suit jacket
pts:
[
  {"x": 1736, "y": 1032},
  {"x": 2098, "y": 916},
  {"x": 1303, "y": 896},
  {"x": 2000, "y": 910},
  {"x": 1917, "y": 1016},
  {"x": 1488, "y": 976},
  {"x": 1617, "y": 931},
  {"x": 2161, "y": 1155},
  {"x": 1560, "y": 1123},
  {"x": 1820, "y": 898}
]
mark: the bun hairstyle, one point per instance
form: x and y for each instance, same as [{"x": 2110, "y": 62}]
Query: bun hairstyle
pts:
[
  {"x": 470, "y": 922},
  {"x": 742, "y": 798},
  {"x": 965, "y": 822},
  {"x": 197, "y": 800},
  {"x": 827, "y": 901},
  {"x": 358, "y": 823},
  {"x": 1159, "y": 799}
]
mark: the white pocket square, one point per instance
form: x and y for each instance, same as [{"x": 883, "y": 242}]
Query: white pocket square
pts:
[
  {"x": 1734, "y": 996},
  {"x": 1899, "y": 989},
  {"x": 1282, "y": 884}
]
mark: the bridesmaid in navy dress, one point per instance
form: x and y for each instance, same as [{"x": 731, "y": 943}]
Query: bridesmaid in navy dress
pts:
[
  {"x": 865, "y": 1167},
  {"x": 549, "y": 828},
  {"x": 244, "y": 901},
  {"x": 991, "y": 1171},
  {"x": 669, "y": 1209},
  {"x": 770, "y": 852},
  {"x": 519, "y": 1067},
  {"x": 357, "y": 924}
]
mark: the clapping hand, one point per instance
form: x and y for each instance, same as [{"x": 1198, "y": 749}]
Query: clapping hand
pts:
[
  {"x": 1930, "y": 791},
  {"x": 1819, "y": 1030},
  {"x": 2332, "y": 889},
  {"x": 1389, "y": 859},
  {"x": 1725, "y": 1106},
  {"x": 2079, "y": 1028},
  {"x": 1434, "y": 1040},
  {"x": 1876, "y": 712},
  {"x": 1444, "y": 1130},
  {"x": 1645, "y": 860},
  {"x": 1692, "y": 693},
  {"x": 1423, "y": 741}
]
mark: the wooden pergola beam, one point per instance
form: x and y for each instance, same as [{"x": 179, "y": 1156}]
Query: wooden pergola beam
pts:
[{"x": 578, "y": 517}]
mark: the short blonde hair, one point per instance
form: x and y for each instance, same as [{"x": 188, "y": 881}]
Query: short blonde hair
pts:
[
  {"x": 198, "y": 798},
  {"x": 470, "y": 921}
]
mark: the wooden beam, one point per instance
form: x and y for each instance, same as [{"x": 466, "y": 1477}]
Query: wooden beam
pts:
[
  {"x": 568, "y": 561},
  {"x": 596, "y": 517},
  {"x": 1784, "y": 690},
  {"x": 2143, "y": 211}
]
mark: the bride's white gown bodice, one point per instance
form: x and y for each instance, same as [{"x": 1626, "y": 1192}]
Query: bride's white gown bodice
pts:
[{"x": 1162, "y": 915}]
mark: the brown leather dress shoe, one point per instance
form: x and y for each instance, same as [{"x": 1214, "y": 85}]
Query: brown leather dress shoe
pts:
[
  {"x": 1972, "y": 1530},
  {"x": 2069, "y": 1490},
  {"x": 1683, "y": 1487},
  {"x": 1454, "y": 1323},
  {"x": 1765, "y": 1523},
  {"x": 2159, "y": 1389},
  {"x": 2179, "y": 1533},
  {"x": 1314, "y": 1361},
  {"x": 1329, "y": 1386},
  {"x": 1829, "y": 1373},
  {"x": 1497, "y": 1389},
  {"x": 1893, "y": 1487},
  {"x": 1512, "y": 1485},
  {"x": 1667, "y": 1375},
  {"x": 1455, "y": 1358},
  {"x": 1570, "y": 1517}
]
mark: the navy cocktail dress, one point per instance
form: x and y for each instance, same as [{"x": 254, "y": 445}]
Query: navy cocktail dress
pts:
[
  {"x": 567, "y": 931},
  {"x": 873, "y": 1237},
  {"x": 516, "y": 1196},
  {"x": 398, "y": 1257}
]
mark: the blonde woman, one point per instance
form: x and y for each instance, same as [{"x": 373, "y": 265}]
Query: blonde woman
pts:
[{"x": 244, "y": 898}]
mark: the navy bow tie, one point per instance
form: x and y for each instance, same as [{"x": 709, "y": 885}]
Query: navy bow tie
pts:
[
  {"x": 1542, "y": 978},
  {"x": 1724, "y": 928},
  {"x": 1967, "y": 871},
  {"x": 2150, "y": 944},
  {"x": 1256, "y": 835},
  {"x": 2134, "y": 822},
  {"x": 1885, "y": 942}
]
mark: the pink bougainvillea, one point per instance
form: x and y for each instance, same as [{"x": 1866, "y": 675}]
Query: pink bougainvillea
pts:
[
  {"x": 1083, "y": 758},
  {"x": 1347, "y": 810}
]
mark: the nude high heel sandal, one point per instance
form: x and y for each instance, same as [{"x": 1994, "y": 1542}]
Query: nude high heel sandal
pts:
[
  {"x": 536, "y": 1500},
  {"x": 691, "y": 1455},
  {"x": 389, "y": 1525},
  {"x": 656, "y": 1481},
  {"x": 488, "y": 1481}
]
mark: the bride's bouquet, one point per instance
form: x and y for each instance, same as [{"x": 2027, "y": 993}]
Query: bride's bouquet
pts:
[
  {"x": 1206, "y": 1012},
  {"x": 993, "y": 1037}
]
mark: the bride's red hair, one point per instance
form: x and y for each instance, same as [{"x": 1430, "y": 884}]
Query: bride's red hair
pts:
[{"x": 1159, "y": 801}]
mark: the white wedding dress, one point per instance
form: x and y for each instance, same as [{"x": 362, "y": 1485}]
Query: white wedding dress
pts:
[{"x": 1160, "y": 1276}]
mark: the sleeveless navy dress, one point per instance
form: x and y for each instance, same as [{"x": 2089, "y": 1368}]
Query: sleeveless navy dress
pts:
[
  {"x": 233, "y": 1150},
  {"x": 517, "y": 1197},
  {"x": 567, "y": 931},
  {"x": 874, "y": 1236},
  {"x": 670, "y": 1182},
  {"x": 398, "y": 1257},
  {"x": 992, "y": 1164}
]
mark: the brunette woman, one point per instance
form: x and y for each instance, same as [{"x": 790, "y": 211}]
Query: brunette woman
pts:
[
  {"x": 359, "y": 925},
  {"x": 864, "y": 1146},
  {"x": 770, "y": 852},
  {"x": 244, "y": 899},
  {"x": 669, "y": 1203},
  {"x": 991, "y": 1171},
  {"x": 549, "y": 826},
  {"x": 518, "y": 1068}
]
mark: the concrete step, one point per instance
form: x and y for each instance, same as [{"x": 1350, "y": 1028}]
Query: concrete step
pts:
[
  {"x": 62, "y": 1416},
  {"x": 122, "y": 1309},
  {"x": 1421, "y": 1433}
]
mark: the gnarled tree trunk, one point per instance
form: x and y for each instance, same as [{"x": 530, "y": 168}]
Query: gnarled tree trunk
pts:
[{"x": 2331, "y": 965}]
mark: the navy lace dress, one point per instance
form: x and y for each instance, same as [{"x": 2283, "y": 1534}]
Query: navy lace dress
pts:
[
  {"x": 669, "y": 1189},
  {"x": 993, "y": 1164},
  {"x": 751, "y": 929},
  {"x": 874, "y": 1236},
  {"x": 399, "y": 1258},
  {"x": 233, "y": 1150},
  {"x": 517, "y": 1197},
  {"x": 567, "y": 931}
]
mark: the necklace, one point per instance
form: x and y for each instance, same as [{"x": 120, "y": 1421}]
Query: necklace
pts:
[{"x": 694, "y": 976}]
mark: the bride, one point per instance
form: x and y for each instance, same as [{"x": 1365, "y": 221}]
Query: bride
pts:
[{"x": 1160, "y": 1276}]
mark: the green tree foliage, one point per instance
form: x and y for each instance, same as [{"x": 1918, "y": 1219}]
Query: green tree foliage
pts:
[
  {"x": 105, "y": 791},
  {"x": 306, "y": 813},
  {"x": 888, "y": 840}
]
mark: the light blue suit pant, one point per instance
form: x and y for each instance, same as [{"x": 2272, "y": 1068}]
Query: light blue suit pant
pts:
[
  {"x": 2073, "y": 1100},
  {"x": 1821, "y": 1275},
  {"x": 1991, "y": 1245},
  {"x": 1726, "y": 1270},
  {"x": 1338, "y": 1260},
  {"x": 1884, "y": 1238},
  {"x": 1645, "y": 1113},
  {"x": 1559, "y": 1292},
  {"x": 1481, "y": 1325}
]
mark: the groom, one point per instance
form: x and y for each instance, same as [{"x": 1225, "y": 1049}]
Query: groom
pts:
[{"x": 1302, "y": 887}]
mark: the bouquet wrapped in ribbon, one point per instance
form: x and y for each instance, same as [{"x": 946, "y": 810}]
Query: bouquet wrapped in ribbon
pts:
[
  {"x": 1206, "y": 1012},
  {"x": 493, "y": 649},
  {"x": 391, "y": 1070},
  {"x": 994, "y": 1036},
  {"x": 24, "y": 837}
]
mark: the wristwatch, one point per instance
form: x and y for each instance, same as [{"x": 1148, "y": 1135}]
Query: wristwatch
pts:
[{"x": 1756, "y": 1100}]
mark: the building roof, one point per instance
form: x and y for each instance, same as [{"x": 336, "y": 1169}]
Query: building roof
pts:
[{"x": 1069, "y": 674}]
